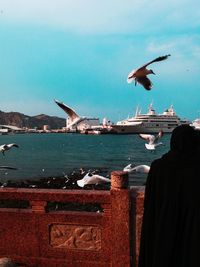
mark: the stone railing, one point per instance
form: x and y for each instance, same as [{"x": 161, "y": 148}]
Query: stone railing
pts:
[{"x": 32, "y": 233}]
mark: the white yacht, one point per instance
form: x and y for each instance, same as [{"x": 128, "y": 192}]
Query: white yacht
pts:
[{"x": 150, "y": 122}]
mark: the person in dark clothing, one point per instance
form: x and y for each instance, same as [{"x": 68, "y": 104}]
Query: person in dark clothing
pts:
[{"x": 170, "y": 235}]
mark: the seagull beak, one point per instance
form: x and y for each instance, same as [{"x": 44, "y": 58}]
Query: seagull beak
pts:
[{"x": 153, "y": 73}]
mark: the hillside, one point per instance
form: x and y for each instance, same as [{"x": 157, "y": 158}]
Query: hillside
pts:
[{"x": 22, "y": 120}]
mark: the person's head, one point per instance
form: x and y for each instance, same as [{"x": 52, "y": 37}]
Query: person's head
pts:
[{"x": 184, "y": 139}]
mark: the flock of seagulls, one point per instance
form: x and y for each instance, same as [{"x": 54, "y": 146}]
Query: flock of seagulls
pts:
[
  {"x": 138, "y": 75},
  {"x": 95, "y": 179},
  {"x": 89, "y": 178}
]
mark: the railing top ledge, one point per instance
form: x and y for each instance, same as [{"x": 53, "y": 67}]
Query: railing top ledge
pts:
[
  {"x": 119, "y": 180},
  {"x": 87, "y": 196}
]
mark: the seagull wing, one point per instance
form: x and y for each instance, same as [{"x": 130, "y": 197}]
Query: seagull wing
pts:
[
  {"x": 128, "y": 168},
  {"x": 142, "y": 168},
  {"x": 72, "y": 114},
  {"x": 94, "y": 179},
  {"x": 149, "y": 137},
  {"x": 7, "y": 168},
  {"x": 155, "y": 60},
  {"x": 84, "y": 180},
  {"x": 159, "y": 135},
  {"x": 2, "y": 147},
  {"x": 131, "y": 77},
  {"x": 145, "y": 82},
  {"x": 139, "y": 168},
  {"x": 11, "y": 145}
]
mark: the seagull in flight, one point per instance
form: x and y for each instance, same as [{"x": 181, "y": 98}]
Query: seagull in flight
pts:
[
  {"x": 152, "y": 140},
  {"x": 140, "y": 168},
  {"x": 6, "y": 147},
  {"x": 140, "y": 74},
  {"x": 92, "y": 179}
]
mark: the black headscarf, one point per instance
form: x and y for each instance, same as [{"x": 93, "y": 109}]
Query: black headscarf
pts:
[{"x": 184, "y": 140}]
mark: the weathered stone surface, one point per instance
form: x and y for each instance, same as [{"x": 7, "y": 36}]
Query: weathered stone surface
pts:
[
  {"x": 75, "y": 237},
  {"x": 35, "y": 236},
  {"x": 7, "y": 262},
  {"x": 119, "y": 179},
  {"x": 137, "y": 202}
]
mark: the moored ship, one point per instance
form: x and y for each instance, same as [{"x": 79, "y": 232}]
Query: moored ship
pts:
[{"x": 150, "y": 122}]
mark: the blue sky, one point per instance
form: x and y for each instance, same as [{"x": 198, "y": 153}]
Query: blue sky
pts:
[{"x": 80, "y": 52}]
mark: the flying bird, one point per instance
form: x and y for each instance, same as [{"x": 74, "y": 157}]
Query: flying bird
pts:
[
  {"x": 140, "y": 168},
  {"x": 152, "y": 140},
  {"x": 6, "y": 147},
  {"x": 140, "y": 74},
  {"x": 92, "y": 179}
]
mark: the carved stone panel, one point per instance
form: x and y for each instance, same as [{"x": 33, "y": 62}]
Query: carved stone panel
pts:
[{"x": 75, "y": 236}]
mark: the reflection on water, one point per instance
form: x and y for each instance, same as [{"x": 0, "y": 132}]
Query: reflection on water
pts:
[{"x": 53, "y": 155}]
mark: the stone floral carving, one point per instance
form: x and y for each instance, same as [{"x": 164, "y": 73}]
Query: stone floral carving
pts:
[{"x": 75, "y": 237}]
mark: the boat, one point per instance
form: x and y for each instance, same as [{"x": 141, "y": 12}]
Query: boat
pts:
[
  {"x": 150, "y": 122},
  {"x": 196, "y": 124}
]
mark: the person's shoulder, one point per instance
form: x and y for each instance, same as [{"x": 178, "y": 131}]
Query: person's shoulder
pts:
[
  {"x": 155, "y": 165},
  {"x": 156, "y": 162}
]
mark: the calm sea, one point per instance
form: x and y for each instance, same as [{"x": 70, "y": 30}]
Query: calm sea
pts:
[{"x": 50, "y": 155}]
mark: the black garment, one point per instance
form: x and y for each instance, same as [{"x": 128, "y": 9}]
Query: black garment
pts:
[{"x": 171, "y": 224}]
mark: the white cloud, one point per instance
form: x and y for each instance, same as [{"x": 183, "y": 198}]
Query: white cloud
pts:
[
  {"x": 181, "y": 46},
  {"x": 179, "y": 74},
  {"x": 105, "y": 16}
]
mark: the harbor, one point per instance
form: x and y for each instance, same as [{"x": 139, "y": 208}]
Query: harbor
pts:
[
  {"x": 56, "y": 155},
  {"x": 140, "y": 123}
]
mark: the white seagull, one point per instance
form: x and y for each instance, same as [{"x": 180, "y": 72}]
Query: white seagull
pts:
[
  {"x": 92, "y": 179},
  {"x": 140, "y": 74},
  {"x": 140, "y": 168},
  {"x": 152, "y": 139},
  {"x": 6, "y": 147}
]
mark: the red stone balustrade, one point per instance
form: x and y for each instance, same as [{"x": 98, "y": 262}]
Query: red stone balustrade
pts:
[{"x": 37, "y": 236}]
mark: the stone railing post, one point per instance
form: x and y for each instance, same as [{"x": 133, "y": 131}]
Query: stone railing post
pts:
[
  {"x": 137, "y": 202},
  {"x": 120, "y": 219}
]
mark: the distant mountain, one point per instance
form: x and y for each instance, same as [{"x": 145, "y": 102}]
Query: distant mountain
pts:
[{"x": 21, "y": 120}]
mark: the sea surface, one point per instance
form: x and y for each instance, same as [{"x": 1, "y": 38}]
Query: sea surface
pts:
[{"x": 55, "y": 155}]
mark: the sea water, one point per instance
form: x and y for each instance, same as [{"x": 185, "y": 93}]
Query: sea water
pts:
[{"x": 50, "y": 155}]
